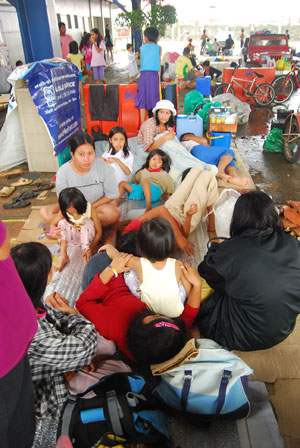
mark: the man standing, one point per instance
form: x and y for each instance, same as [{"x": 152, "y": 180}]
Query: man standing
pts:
[
  {"x": 242, "y": 37},
  {"x": 203, "y": 41},
  {"x": 65, "y": 39}
]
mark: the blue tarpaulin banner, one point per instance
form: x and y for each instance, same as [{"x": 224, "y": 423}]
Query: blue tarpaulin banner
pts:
[{"x": 54, "y": 91}]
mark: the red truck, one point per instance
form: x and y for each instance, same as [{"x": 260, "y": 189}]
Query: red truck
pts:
[{"x": 264, "y": 45}]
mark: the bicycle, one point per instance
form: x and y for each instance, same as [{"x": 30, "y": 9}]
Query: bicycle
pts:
[
  {"x": 285, "y": 85},
  {"x": 263, "y": 94}
]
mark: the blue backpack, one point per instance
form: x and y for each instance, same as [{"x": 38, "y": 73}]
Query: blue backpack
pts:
[
  {"x": 210, "y": 383},
  {"x": 123, "y": 406}
]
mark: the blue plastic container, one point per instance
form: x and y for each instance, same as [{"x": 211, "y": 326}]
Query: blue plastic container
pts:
[
  {"x": 203, "y": 85},
  {"x": 189, "y": 123},
  {"x": 221, "y": 139}
]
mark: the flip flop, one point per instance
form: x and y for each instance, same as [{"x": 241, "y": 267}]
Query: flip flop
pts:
[
  {"x": 17, "y": 204},
  {"x": 25, "y": 195},
  {"x": 41, "y": 187},
  {"x": 33, "y": 176},
  {"x": 15, "y": 172},
  {"x": 22, "y": 182},
  {"x": 6, "y": 191}
]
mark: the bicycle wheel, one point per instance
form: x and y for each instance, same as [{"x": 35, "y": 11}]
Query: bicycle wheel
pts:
[
  {"x": 223, "y": 88},
  {"x": 283, "y": 87},
  {"x": 264, "y": 94},
  {"x": 290, "y": 135}
]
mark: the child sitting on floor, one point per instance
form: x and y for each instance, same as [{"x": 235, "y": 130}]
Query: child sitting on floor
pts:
[
  {"x": 118, "y": 155},
  {"x": 159, "y": 275},
  {"x": 152, "y": 180},
  {"x": 80, "y": 226}
]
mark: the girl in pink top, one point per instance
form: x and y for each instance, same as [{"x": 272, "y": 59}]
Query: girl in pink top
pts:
[
  {"x": 98, "y": 62},
  {"x": 87, "y": 52}
]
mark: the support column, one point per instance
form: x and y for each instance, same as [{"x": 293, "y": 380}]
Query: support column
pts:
[{"x": 39, "y": 31}]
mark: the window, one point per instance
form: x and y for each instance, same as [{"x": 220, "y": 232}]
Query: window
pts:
[
  {"x": 58, "y": 18},
  {"x": 69, "y": 21},
  {"x": 76, "y": 21}
]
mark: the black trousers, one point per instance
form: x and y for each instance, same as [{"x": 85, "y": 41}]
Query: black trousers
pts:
[{"x": 17, "y": 413}]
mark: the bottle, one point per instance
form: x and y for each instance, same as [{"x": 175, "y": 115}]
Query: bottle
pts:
[
  {"x": 212, "y": 118},
  {"x": 223, "y": 117},
  {"x": 218, "y": 118}
]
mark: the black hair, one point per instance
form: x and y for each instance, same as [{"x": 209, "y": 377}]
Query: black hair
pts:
[
  {"x": 186, "y": 133},
  {"x": 73, "y": 47},
  {"x": 18, "y": 63},
  {"x": 118, "y": 130},
  {"x": 71, "y": 197},
  {"x": 185, "y": 173},
  {"x": 129, "y": 46},
  {"x": 33, "y": 262},
  {"x": 152, "y": 34},
  {"x": 186, "y": 50},
  {"x": 78, "y": 139},
  {"x": 166, "y": 161},
  {"x": 152, "y": 345},
  {"x": 85, "y": 39},
  {"x": 255, "y": 210},
  {"x": 60, "y": 24},
  {"x": 170, "y": 123},
  {"x": 128, "y": 243},
  {"x": 155, "y": 239},
  {"x": 206, "y": 63},
  {"x": 99, "y": 38}
]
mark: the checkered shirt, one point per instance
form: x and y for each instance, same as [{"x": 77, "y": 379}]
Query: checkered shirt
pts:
[
  {"x": 147, "y": 132},
  {"x": 63, "y": 343}
]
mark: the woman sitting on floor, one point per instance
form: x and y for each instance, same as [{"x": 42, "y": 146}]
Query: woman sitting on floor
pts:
[
  {"x": 256, "y": 278},
  {"x": 92, "y": 176}
]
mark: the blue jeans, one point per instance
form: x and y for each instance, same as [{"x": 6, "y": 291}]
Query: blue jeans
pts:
[{"x": 94, "y": 266}]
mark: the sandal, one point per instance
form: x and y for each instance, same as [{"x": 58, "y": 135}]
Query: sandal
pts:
[
  {"x": 6, "y": 191},
  {"x": 17, "y": 204},
  {"x": 41, "y": 187},
  {"x": 25, "y": 195},
  {"x": 22, "y": 182},
  {"x": 12, "y": 173}
]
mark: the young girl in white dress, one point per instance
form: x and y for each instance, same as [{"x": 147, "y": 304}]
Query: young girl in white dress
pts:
[{"x": 132, "y": 65}]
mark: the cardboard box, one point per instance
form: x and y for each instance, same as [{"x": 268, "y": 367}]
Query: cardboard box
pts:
[{"x": 220, "y": 127}]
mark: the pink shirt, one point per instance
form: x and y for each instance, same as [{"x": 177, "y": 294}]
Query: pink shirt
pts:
[
  {"x": 88, "y": 53},
  {"x": 98, "y": 58},
  {"x": 64, "y": 43},
  {"x": 18, "y": 322}
]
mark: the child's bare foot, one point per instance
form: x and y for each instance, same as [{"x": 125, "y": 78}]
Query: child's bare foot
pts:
[
  {"x": 234, "y": 180},
  {"x": 192, "y": 210},
  {"x": 62, "y": 262}
]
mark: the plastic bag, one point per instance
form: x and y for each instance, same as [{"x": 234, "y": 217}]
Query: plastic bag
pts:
[
  {"x": 223, "y": 210},
  {"x": 191, "y": 101},
  {"x": 280, "y": 64},
  {"x": 236, "y": 106},
  {"x": 274, "y": 141}
]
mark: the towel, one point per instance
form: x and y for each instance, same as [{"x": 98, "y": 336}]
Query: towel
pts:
[
  {"x": 104, "y": 102},
  {"x": 189, "y": 351}
]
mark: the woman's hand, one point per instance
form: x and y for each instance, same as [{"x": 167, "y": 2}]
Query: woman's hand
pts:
[
  {"x": 111, "y": 251},
  {"x": 58, "y": 302},
  {"x": 185, "y": 245},
  {"x": 169, "y": 135},
  {"x": 120, "y": 262},
  {"x": 112, "y": 160},
  {"x": 191, "y": 274}
]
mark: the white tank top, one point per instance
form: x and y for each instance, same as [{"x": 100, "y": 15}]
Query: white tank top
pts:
[{"x": 160, "y": 290}]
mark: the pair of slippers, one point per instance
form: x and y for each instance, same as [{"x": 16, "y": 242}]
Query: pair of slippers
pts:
[{"x": 21, "y": 200}]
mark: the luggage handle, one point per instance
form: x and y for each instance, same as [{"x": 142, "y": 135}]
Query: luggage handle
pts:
[{"x": 188, "y": 378}]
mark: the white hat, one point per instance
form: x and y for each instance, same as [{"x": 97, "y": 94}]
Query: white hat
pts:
[{"x": 164, "y": 104}]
